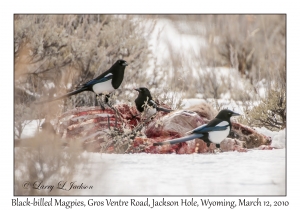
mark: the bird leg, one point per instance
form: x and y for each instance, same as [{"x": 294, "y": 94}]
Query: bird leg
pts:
[
  {"x": 108, "y": 121},
  {"x": 99, "y": 98},
  {"x": 107, "y": 99},
  {"x": 117, "y": 114},
  {"x": 104, "y": 100}
]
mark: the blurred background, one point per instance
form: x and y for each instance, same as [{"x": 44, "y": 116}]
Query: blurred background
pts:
[{"x": 240, "y": 58}]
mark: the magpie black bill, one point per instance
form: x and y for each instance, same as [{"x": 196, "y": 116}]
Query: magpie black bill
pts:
[
  {"x": 138, "y": 90},
  {"x": 235, "y": 114},
  {"x": 125, "y": 64}
]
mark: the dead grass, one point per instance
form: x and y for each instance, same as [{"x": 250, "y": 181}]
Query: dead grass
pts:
[
  {"x": 254, "y": 45},
  {"x": 65, "y": 50},
  {"x": 270, "y": 113},
  {"x": 70, "y": 49}
]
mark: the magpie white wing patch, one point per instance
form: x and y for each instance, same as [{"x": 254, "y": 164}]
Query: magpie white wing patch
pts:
[
  {"x": 223, "y": 123},
  {"x": 190, "y": 132},
  {"x": 152, "y": 102},
  {"x": 108, "y": 74}
]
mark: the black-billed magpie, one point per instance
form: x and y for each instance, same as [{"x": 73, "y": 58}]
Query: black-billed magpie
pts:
[
  {"x": 144, "y": 101},
  {"x": 104, "y": 84},
  {"x": 213, "y": 132}
]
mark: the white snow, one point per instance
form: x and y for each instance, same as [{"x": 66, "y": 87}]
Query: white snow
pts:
[
  {"x": 191, "y": 102},
  {"x": 278, "y": 137},
  {"x": 167, "y": 38},
  {"x": 257, "y": 172},
  {"x": 31, "y": 127},
  {"x": 222, "y": 103},
  {"x": 165, "y": 35}
]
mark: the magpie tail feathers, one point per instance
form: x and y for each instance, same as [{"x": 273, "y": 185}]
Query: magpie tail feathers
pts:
[
  {"x": 178, "y": 140},
  {"x": 163, "y": 109},
  {"x": 63, "y": 96}
]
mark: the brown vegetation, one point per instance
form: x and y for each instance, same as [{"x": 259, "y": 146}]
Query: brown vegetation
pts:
[
  {"x": 43, "y": 161},
  {"x": 270, "y": 113},
  {"x": 55, "y": 53}
]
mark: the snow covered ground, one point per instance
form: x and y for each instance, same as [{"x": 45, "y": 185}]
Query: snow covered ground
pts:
[
  {"x": 256, "y": 172},
  {"x": 31, "y": 127}
]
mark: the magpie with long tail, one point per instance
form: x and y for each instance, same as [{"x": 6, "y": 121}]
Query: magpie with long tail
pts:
[
  {"x": 213, "y": 132},
  {"x": 104, "y": 84},
  {"x": 145, "y": 103}
]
